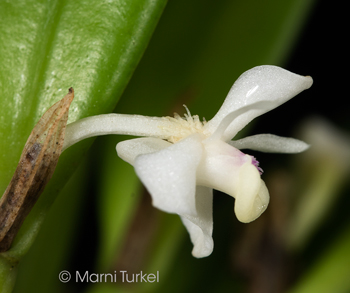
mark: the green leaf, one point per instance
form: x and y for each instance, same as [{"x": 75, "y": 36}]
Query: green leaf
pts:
[{"x": 49, "y": 46}]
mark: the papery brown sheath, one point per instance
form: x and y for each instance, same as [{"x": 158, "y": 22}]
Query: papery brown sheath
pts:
[{"x": 35, "y": 168}]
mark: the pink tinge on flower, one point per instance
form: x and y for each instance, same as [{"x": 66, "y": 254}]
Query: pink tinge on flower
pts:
[{"x": 256, "y": 163}]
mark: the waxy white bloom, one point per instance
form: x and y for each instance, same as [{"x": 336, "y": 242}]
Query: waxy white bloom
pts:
[{"x": 181, "y": 160}]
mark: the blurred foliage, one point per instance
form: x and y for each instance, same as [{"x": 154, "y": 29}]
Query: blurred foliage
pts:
[{"x": 103, "y": 220}]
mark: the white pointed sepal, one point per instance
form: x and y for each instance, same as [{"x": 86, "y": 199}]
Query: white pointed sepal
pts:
[{"x": 269, "y": 143}]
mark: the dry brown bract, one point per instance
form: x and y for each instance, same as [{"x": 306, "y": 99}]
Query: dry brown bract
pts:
[{"x": 35, "y": 168}]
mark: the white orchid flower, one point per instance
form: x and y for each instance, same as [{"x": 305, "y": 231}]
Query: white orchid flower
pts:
[{"x": 181, "y": 160}]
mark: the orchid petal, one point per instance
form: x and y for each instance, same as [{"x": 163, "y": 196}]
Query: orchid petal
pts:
[
  {"x": 219, "y": 133},
  {"x": 200, "y": 227},
  {"x": 170, "y": 175},
  {"x": 252, "y": 196},
  {"x": 128, "y": 150},
  {"x": 261, "y": 83},
  {"x": 270, "y": 143}
]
